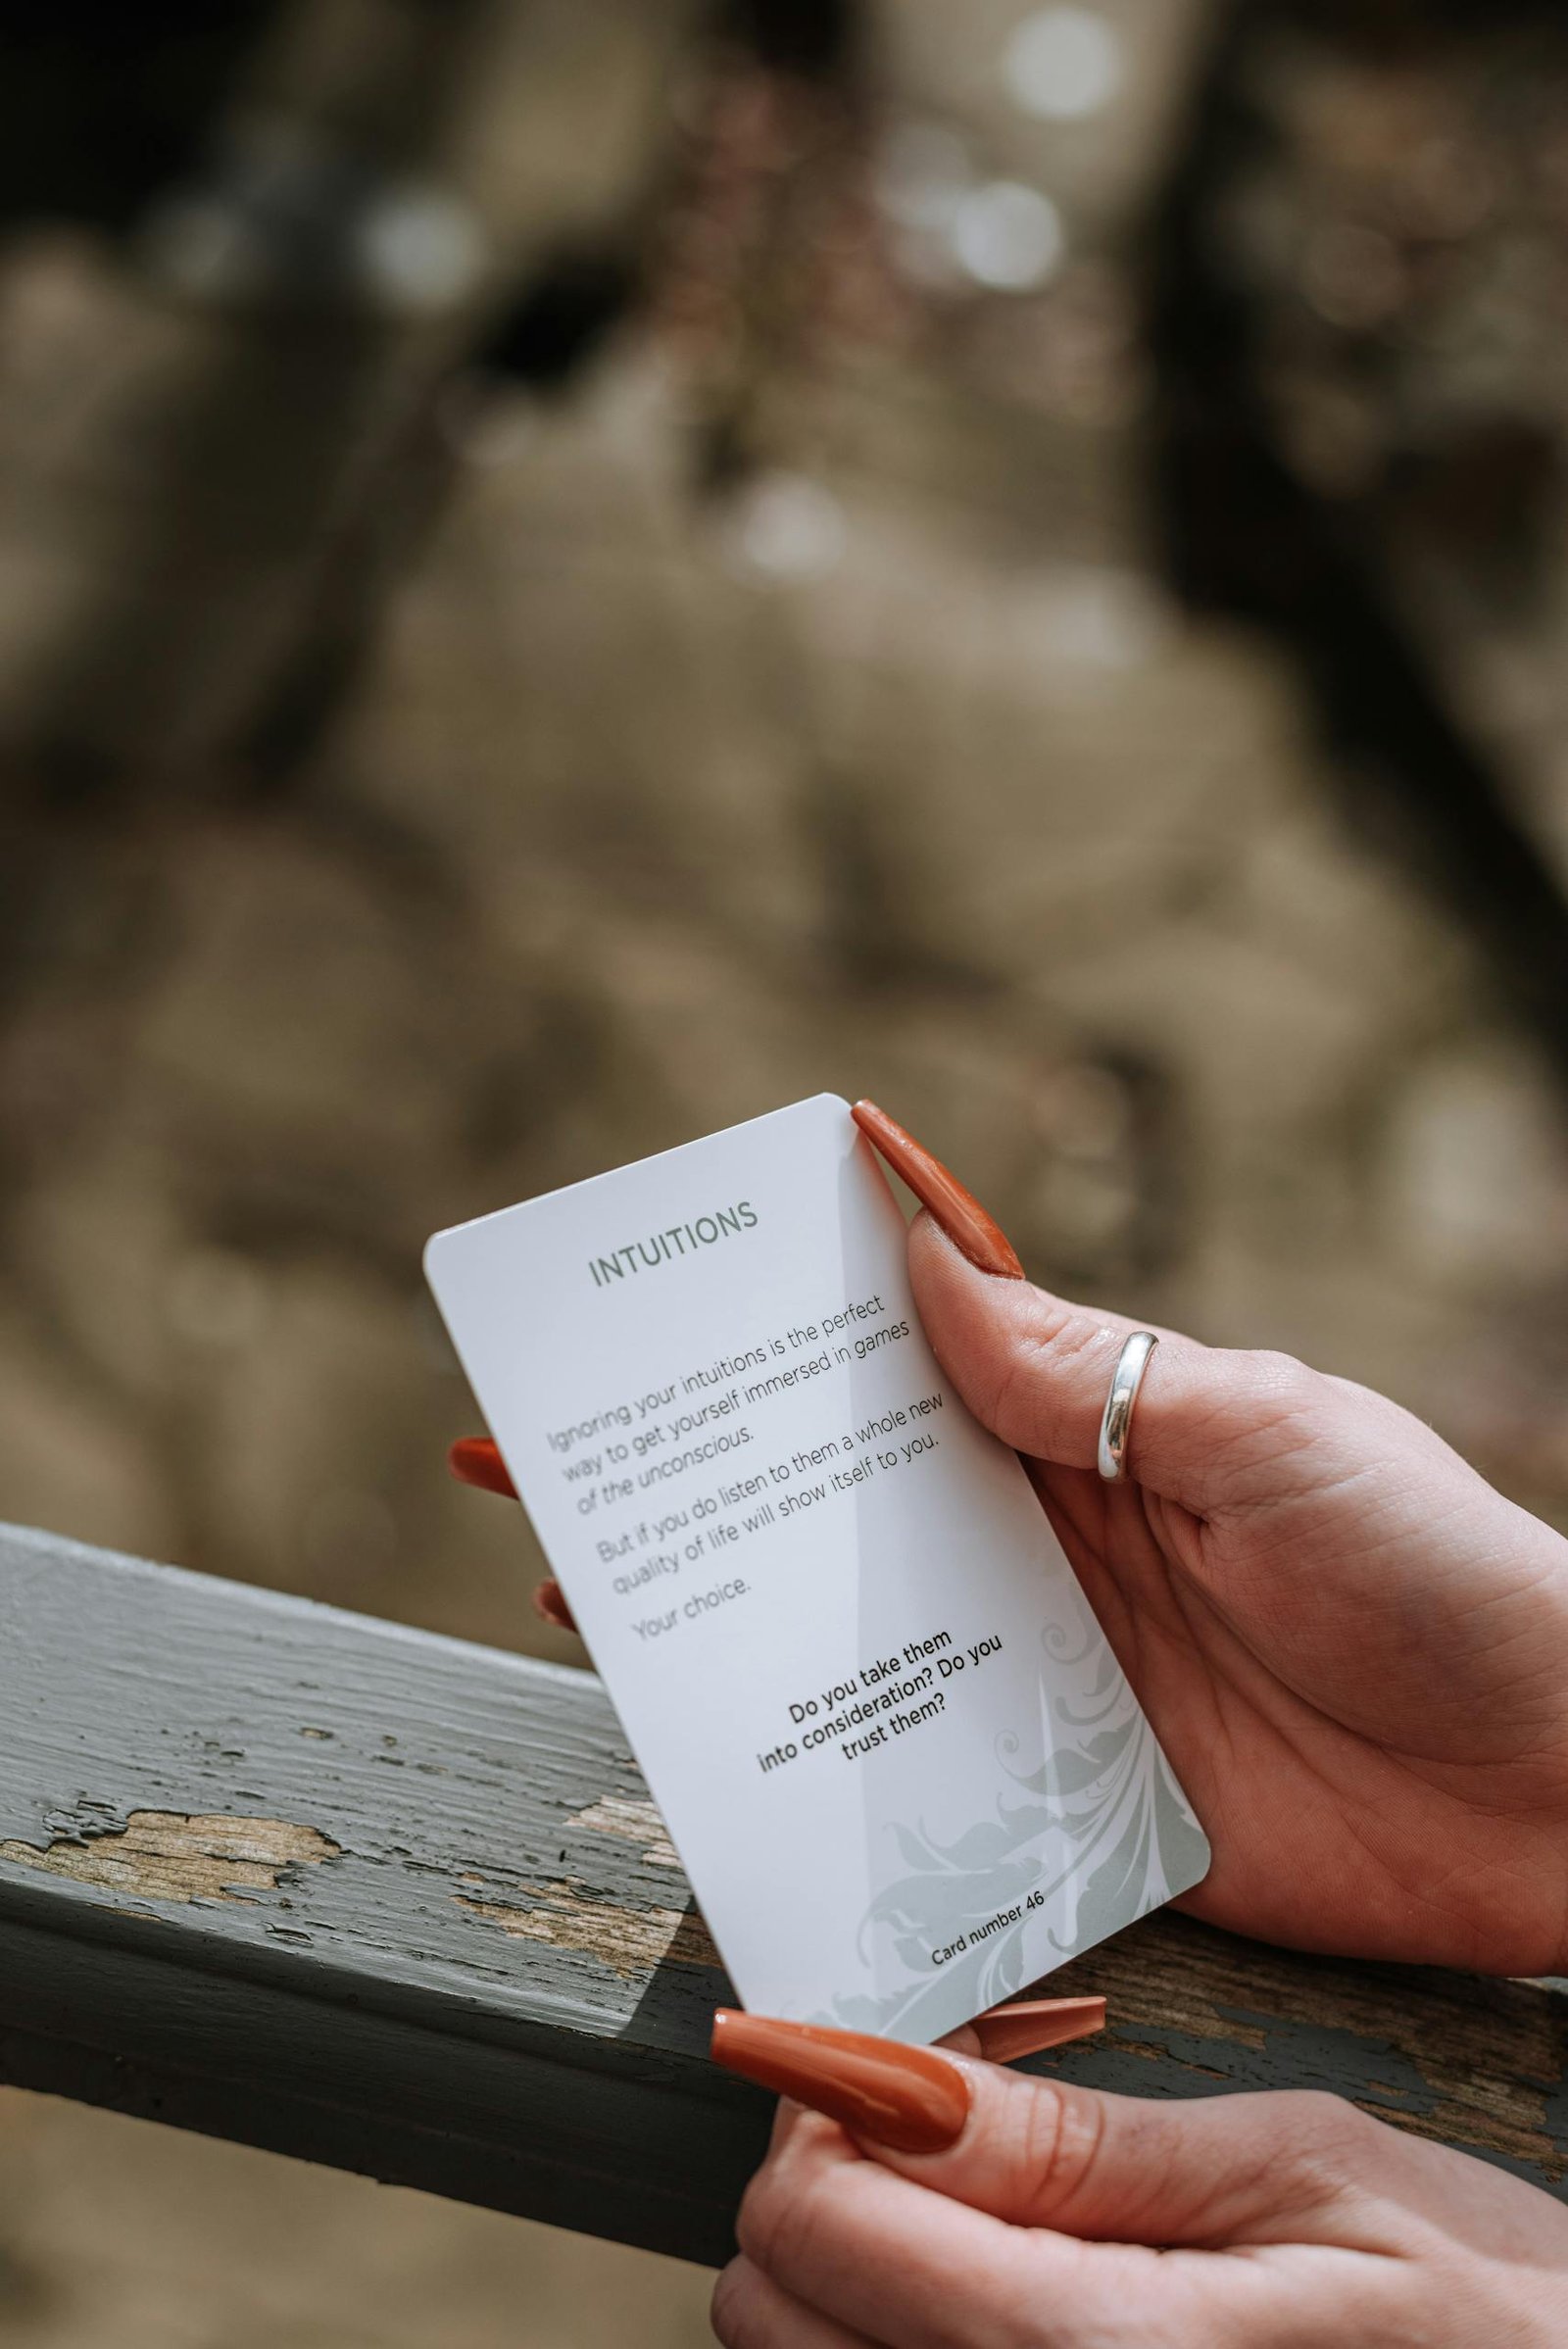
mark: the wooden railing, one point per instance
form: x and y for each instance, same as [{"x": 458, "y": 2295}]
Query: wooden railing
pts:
[{"x": 386, "y": 1901}]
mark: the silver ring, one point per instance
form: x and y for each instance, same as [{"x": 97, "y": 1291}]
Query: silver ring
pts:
[{"x": 1127, "y": 1378}]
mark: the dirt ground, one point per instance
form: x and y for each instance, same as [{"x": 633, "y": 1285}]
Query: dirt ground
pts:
[{"x": 894, "y": 770}]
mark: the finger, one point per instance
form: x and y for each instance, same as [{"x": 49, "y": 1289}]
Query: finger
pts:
[
  {"x": 1213, "y": 1426},
  {"x": 750, "y": 2311},
  {"x": 881, "y": 2257},
  {"x": 1206, "y": 2173},
  {"x": 1047, "y": 2153},
  {"x": 475, "y": 1460}
]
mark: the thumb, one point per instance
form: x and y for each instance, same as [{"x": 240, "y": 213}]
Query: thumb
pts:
[
  {"x": 1212, "y": 1428},
  {"x": 1053, "y": 2154},
  {"x": 1209, "y": 2171},
  {"x": 1213, "y": 1425}
]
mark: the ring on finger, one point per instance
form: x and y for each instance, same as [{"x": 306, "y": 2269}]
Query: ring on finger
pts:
[{"x": 1117, "y": 1421}]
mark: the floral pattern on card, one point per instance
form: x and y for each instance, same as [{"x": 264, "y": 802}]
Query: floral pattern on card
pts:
[{"x": 1090, "y": 1833}]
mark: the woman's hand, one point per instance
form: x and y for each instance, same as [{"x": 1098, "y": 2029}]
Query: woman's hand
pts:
[
  {"x": 1063, "y": 2218},
  {"x": 1353, "y": 1650}
]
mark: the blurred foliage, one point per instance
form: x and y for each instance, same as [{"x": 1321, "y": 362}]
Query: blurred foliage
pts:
[{"x": 573, "y": 569}]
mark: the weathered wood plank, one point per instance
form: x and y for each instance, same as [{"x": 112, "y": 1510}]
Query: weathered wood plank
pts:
[{"x": 388, "y": 1901}]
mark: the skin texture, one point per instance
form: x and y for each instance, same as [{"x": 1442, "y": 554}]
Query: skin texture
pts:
[
  {"x": 1357, "y": 1655},
  {"x": 1355, "y": 1651},
  {"x": 1063, "y": 2219}
]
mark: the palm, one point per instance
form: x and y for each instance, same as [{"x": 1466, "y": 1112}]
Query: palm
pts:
[{"x": 1361, "y": 1695}]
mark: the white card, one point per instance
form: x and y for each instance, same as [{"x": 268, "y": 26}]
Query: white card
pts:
[{"x": 899, "y": 1760}]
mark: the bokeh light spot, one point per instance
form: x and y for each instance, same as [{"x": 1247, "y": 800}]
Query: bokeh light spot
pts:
[
  {"x": 1008, "y": 236},
  {"x": 1062, "y": 64}
]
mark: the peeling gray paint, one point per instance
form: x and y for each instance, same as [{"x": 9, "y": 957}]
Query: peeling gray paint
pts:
[
  {"x": 164, "y": 1855},
  {"x": 478, "y": 1969}
]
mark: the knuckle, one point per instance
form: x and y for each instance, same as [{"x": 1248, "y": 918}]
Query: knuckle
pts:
[
  {"x": 1291, "y": 1387},
  {"x": 1008, "y": 1404},
  {"x": 779, "y": 2218},
  {"x": 1330, "y": 2143},
  {"x": 1280, "y": 1368},
  {"x": 1276, "y": 1387},
  {"x": 1056, "y": 1341},
  {"x": 1336, "y": 2124},
  {"x": 756, "y": 2222},
  {"x": 730, "y": 2312},
  {"x": 1063, "y": 2130},
  {"x": 1254, "y": 1412},
  {"x": 1065, "y": 1338}
]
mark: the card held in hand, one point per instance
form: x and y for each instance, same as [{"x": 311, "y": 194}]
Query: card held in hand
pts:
[{"x": 900, "y": 1762}]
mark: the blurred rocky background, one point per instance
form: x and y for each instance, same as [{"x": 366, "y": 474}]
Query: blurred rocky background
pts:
[{"x": 571, "y": 571}]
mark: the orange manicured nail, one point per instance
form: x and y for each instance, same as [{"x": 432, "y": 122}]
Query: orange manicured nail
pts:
[
  {"x": 475, "y": 1461},
  {"x": 1005, "y": 2033},
  {"x": 956, "y": 1210},
  {"x": 904, "y": 2097}
]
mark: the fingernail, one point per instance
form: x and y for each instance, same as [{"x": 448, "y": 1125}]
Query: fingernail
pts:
[
  {"x": 475, "y": 1461},
  {"x": 550, "y": 1601},
  {"x": 956, "y": 1210},
  {"x": 1005, "y": 2033},
  {"x": 902, "y": 2097}
]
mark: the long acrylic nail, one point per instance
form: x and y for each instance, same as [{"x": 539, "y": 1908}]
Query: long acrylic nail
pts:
[
  {"x": 956, "y": 1210},
  {"x": 1007, "y": 2032},
  {"x": 902, "y": 2097},
  {"x": 475, "y": 1461}
]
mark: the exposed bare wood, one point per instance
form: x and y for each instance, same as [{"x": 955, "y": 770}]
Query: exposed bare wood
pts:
[
  {"x": 403, "y": 1905},
  {"x": 162, "y": 1856}
]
